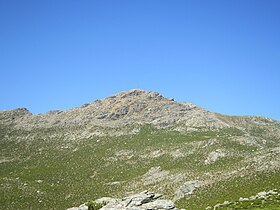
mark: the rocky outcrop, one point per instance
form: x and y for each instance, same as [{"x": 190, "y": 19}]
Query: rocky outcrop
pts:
[
  {"x": 214, "y": 156},
  {"x": 187, "y": 189},
  {"x": 154, "y": 175},
  {"x": 142, "y": 201}
]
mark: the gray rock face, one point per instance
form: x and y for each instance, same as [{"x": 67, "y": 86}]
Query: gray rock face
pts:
[
  {"x": 145, "y": 200},
  {"x": 214, "y": 156},
  {"x": 81, "y": 207},
  {"x": 187, "y": 189},
  {"x": 159, "y": 204},
  {"x": 155, "y": 174},
  {"x": 107, "y": 200}
]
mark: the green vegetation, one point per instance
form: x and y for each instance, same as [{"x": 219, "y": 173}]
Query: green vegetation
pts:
[
  {"x": 232, "y": 189},
  {"x": 43, "y": 170},
  {"x": 271, "y": 201}
]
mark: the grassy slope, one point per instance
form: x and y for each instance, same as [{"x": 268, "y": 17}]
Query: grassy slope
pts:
[
  {"x": 73, "y": 172},
  {"x": 232, "y": 189},
  {"x": 271, "y": 201}
]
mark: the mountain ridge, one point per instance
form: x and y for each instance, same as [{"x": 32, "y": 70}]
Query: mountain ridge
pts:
[
  {"x": 132, "y": 107},
  {"x": 128, "y": 107},
  {"x": 121, "y": 93}
]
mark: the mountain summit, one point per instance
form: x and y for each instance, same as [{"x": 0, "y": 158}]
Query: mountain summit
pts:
[
  {"x": 129, "y": 107},
  {"x": 132, "y": 108}
]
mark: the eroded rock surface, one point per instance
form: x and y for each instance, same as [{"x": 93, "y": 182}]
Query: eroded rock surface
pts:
[
  {"x": 214, "y": 156},
  {"x": 187, "y": 189},
  {"x": 145, "y": 200},
  {"x": 155, "y": 174}
]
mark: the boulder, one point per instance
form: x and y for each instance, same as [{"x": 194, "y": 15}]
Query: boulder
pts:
[
  {"x": 155, "y": 174},
  {"x": 81, "y": 207},
  {"x": 145, "y": 200},
  {"x": 214, "y": 156},
  {"x": 187, "y": 189},
  {"x": 159, "y": 204}
]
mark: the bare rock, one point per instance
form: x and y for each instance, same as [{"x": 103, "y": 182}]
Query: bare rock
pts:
[
  {"x": 214, "y": 156},
  {"x": 130, "y": 107},
  {"x": 81, "y": 207},
  {"x": 155, "y": 174},
  {"x": 145, "y": 200},
  {"x": 159, "y": 204},
  {"x": 139, "y": 106},
  {"x": 187, "y": 189}
]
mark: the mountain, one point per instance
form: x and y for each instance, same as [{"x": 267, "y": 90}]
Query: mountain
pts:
[
  {"x": 131, "y": 107},
  {"x": 130, "y": 142}
]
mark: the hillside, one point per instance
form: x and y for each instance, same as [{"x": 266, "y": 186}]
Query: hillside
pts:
[{"x": 131, "y": 142}]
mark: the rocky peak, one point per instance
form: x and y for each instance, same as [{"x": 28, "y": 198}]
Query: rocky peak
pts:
[
  {"x": 132, "y": 92},
  {"x": 136, "y": 94},
  {"x": 134, "y": 106},
  {"x": 21, "y": 111}
]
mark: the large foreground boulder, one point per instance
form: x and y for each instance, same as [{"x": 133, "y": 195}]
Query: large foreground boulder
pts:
[{"x": 142, "y": 201}]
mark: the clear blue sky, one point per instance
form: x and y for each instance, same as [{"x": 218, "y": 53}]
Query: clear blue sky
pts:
[{"x": 223, "y": 55}]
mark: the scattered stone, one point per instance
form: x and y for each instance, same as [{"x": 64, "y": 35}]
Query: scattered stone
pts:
[
  {"x": 214, "y": 156},
  {"x": 81, "y": 207},
  {"x": 155, "y": 174},
  {"x": 107, "y": 200},
  {"x": 243, "y": 199},
  {"x": 217, "y": 206},
  {"x": 177, "y": 154},
  {"x": 261, "y": 194},
  {"x": 124, "y": 154},
  {"x": 187, "y": 189}
]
